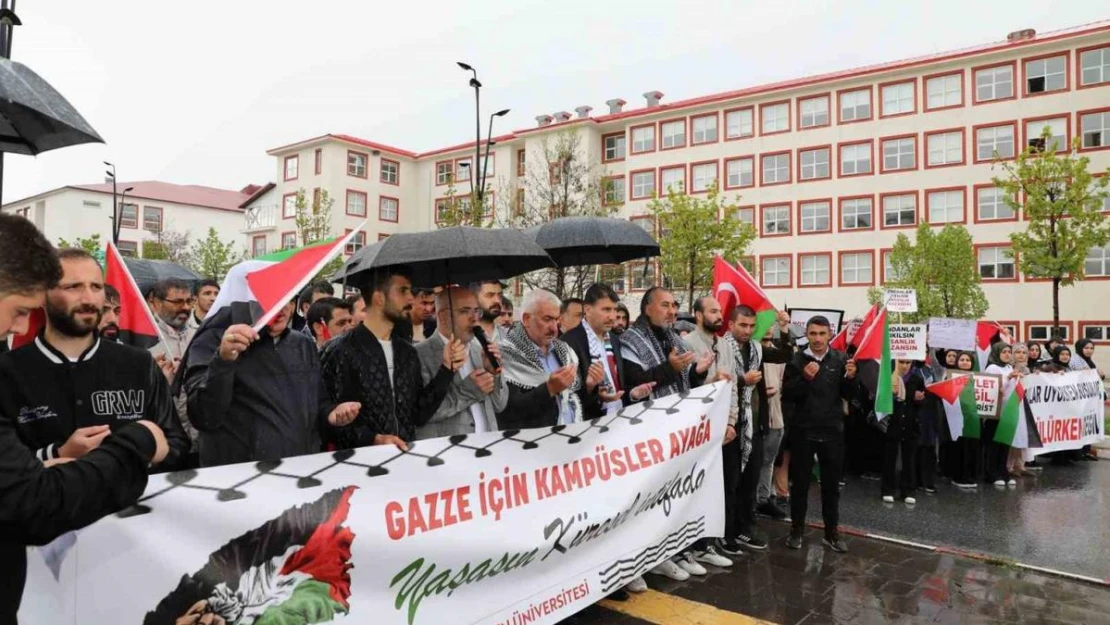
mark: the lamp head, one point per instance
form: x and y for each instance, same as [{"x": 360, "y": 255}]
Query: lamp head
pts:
[
  {"x": 501, "y": 113},
  {"x": 465, "y": 66}
]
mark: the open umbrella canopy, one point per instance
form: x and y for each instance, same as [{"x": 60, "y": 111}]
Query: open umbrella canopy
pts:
[
  {"x": 577, "y": 241},
  {"x": 34, "y": 117},
  {"x": 455, "y": 255},
  {"x": 148, "y": 272}
]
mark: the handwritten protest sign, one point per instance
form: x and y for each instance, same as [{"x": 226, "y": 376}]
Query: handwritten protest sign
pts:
[
  {"x": 948, "y": 333},
  {"x": 907, "y": 341},
  {"x": 988, "y": 392},
  {"x": 900, "y": 300}
]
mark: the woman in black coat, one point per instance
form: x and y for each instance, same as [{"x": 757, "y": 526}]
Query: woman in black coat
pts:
[{"x": 902, "y": 433}]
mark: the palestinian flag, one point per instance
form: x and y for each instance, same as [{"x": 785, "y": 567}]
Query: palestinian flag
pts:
[
  {"x": 873, "y": 358},
  {"x": 864, "y": 326},
  {"x": 293, "y": 570},
  {"x": 985, "y": 332},
  {"x": 1015, "y": 427},
  {"x": 136, "y": 321},
  {"x": 957, "y": 395},
  {"x": 733, "y": 286}
]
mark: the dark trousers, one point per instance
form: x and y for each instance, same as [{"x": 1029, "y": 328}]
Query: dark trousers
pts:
[
  {"x": 927, "y": 466},
  {"x": 904, "y": 483},
  {"x": 730, "y": 460},
  {"x": 830, "y": 457},
  {"x": 749, "y": 486},
  {"x": 967, "y": 461},
  {"x": 994, "y": 454}
]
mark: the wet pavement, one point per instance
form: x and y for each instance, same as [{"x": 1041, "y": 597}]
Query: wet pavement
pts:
[{"x": 876, "y": 582}]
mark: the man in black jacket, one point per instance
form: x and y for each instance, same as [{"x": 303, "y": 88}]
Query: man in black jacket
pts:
[
  {"x": 654, "y": 353},
  {"x": 827, "y": 378},
  {"x": 41, "y": 501}
]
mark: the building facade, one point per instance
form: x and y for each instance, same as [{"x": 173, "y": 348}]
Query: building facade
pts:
[{"x": 829, "y": 169}]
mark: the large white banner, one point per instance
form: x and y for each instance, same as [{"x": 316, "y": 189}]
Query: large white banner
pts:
[
  {"x": 1067, "y": 409},
  {"x": 498, "y": 528}
]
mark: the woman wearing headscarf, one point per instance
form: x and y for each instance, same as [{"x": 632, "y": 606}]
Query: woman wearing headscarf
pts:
[
  {"x": 929, "y": 418},
  {"x": 995, "y": 453},
  {"x": 1036, "y": 356},
  {"x": 1015, "y": 461},
  {"x": 967, "y": 461},
  {"x": 945, "y": 359},
  {"x": 1083, "y": 360},
  {"x": 1061, "y": 359},
  {"x": 902, "y": 433}
]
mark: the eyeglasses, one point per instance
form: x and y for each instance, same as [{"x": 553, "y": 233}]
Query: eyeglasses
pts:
[
  {"x": 468, "y": 312},
  {"x": 180, "y": 302}
]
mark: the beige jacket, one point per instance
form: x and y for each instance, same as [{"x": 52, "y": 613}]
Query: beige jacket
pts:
[{"x": 701, "y": 343}]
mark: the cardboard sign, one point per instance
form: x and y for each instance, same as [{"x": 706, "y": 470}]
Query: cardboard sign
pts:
[
  {"x": 900, "y": 300},
  {"x": 959, "y": 334},
  {"x": 799, "y": 317},
  {"x": 988, "y": 392},
  {"x": 907, "y": 341}
]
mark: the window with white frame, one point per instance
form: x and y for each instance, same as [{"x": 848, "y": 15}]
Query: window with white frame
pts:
[
  {"x": 855, "y": 214},
  {"x": 814, "y": 269},
  {"x": 775, "y": 271},
  {"x": 900, "y": 210},
  {"x": 746, "y": 214},
  {"x": 614, "y": 147},
  {"x": 740, "y": 172},
  {"x": 991, "y": 204},
  {"x": 815, "y": 163},
  {"x": 674, "y": 133},
  {"x": 673, "y": 178},
  {"x": 900, "y": 154},
  {"x": 614, "y": 276},
  {"x": 897, "y": 99},
  {"x": 945, "y": 207},
  {"x": 856, "y": 268},
  {"x": 387, "y": 209},
  {"x": 643, "y": 184},
  {"x": 1094, "y": 67},
  {"x": 1094, "y": 189},
  {"x": 462, "y": 170},
  {"x": 996, "y": 263},
  {"x": 356, "y": 203},
  {"x": 814, "y": 112},
  {"x": 814, "y": 216},
  {"x": 738, "y": 124},
  {"x": 289, "y": 206},
  {"x": 1100, "y": 333},
  {"x": 775, "y": 117},
  {"x": 288, "y": 240},
  {"x": 292, "y": 166},
  {"x": 946, "y": 148},
  {"x": 1098, "y": 262},
  {"x": 776, "y": 168},
  {"x": 855, "y": 105},
  {"x": 444, "y": 172},
  {"x": 776, "y": 219},
  {"x": 944, "y": 91},
  {"x": 702, "y": 176},
  {"x": 643, "y": 276},
  {"x": 643, "y": 139},
  {"x": 855, "y": 159},
  {"x": 889, "y": 272},
  {"x": 994, "y": 83},
  {"x": 356, "y": 164},
  {"x": 1043, "y": 75},
  {"x": 258, "y": 246},
  {"x": 614, "y": 191},
  {"x": 1043, "y": 332},
  {"x": 704, "y": 128},
  {"x": 996, "y": 141},
  {"x": 391, "y": 171},
  {"x": 356, "y": 243},
  {"x": 152, "y": 218},
  {"x": 1058, "y": 131},
  {"x": 1095, "y": 129}
]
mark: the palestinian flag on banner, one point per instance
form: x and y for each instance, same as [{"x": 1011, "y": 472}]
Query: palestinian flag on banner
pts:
[
  {"x": 984, "y": 332},
  {"x": 957, "y": 395},
  {"x": 293, "y": 570},
  {"x": 875, "y": 367},
  {"x": 1015, "y": 427},
  {"x": 136, "y": 321},
  {"x": 733, "y": 286}
]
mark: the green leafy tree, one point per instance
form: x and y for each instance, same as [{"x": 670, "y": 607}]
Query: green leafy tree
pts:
[
  {"x": 1063, "y": 205},
  {"x": 91, "y": 244},
  {"x": 692, "y": 231},
  {"x": 168, "y": 245},
  {"x": 313, "y": 218},
  {"x": 942, "y": 267},
  {"x": 211, "y": 257},
  {"x": 455, "y": 209}
]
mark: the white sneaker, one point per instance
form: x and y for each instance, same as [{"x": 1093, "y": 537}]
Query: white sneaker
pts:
[
  {"x": 690, "y": 565},
  {"x": 667, "y": 568},
  {"x": 637, "y": 585},
  {"x": 1000, "y": 482},
  {"x": 910, "y": 501},
  {"x": 888, "y": 498},
  {"x": 1011, "y": 482},
  {"x": 712, "y": 558}
]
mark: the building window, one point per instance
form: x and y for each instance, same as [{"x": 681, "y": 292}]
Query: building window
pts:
[
  {"x": 814, "y": 270},
  {"x": 672, "y": 178},
  {"x": 945, "y": 207},
  {"x": 702, "y": 176},
  {"x": 444, "y": 172},
  {"x": 128, "y": 249},
  {"x": 520, "y": 162},
  {"x": 1094, "y": 67},
  {"x": 994, "y": 83},
  {"x": 613, "y": 275},
  {"x": 889, "y": 272},
  {"x": 900, "y": 211},
  {"x": 288, "y": 240},
  {"x": 646, "y": 223},
  {"x": 857, "y": 268},
  {"x": 1095, "y": 129},
  {"x": 292, "y": 165},
  {"x": 704, "y": 129},
  {"x": 128, "y": 216},
  {"x": 813, "y": 112},
  {"x": 642, "y": 276},
  {"x": 814, "y": 217},
  {"x": 775, "y": 168},
  {"x": 740, "y": 172},
  {"x": 518, "y": 207},
  {"x": 743, "y": 214},
  {"x": 152, "y": 218},
  {"x": 990, "y": 204},
  {"x": 855, "y": 159},
  {"x": 643, "y": 184},
  {"x": 944, "y": 91},
  {"x": 814, "y": 164},
  {"x": 356, "y": 164},
  {"x": 774, "y": 117},
  {"x": 357, "y": 243},
  {"x": 258, "y": 246},
  {"x": 1097, "y": 332},
  {"x": 614, "y": 191},
  {"x": 855, "y": 214},
  {"x": 775, "y": 271},
  {"x": 318, "y": 168},
  {"x": 1058, "y": 134},
  {"x": 897, "y": 99},
  {"x": 289, "y": 206},
  {"x": 356, "y": 203},
  {"x": 1043, "y": 332},
  {"x": 614, "y": 147},
  {"x": 673, "y": 134},
  {"x": 1045, "y": 75},
  {"x": 462, "y": 169},
  {"x": 855, "y": 105},
  {"x": 945, "y": 148},
  {"x": 900, "y": 154},
  {"x": 388, "y": 209},
  {"x": 1098, "y": 262},
  {"x": 996, "y": 263},
  {"x": 442, "y": 207},
  {"x": 643, "y": 139},
  {"x": 776, "y": 220},
  {"x": 739, "y": 124},
  {"x": 994, "y": 142},
  {"x": 391, "y": 172}
]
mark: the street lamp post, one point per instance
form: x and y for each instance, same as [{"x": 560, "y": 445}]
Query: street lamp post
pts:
[
  {"x": 115, "y": 204},
  {"x": 479, "y": 168},
  {"x": 119, "y": 218},
  {"x": 489, "y": 146}
]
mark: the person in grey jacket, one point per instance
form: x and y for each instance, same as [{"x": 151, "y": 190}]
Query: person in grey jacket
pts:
[{"x": 477, "y": 392}]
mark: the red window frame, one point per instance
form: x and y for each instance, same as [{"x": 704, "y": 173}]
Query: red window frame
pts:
[
  {"x": 916, "y": 155},
  {"x": 725, "y": 185},
  {"x": 827, "y": 96},
  {"x": 880, "y": 210},
  {"x": 382, "y": 236},
  {"x": 1082, "y": 325},
  {"x": 913, "y": 98},
  {"x": 347, "y": 249},
  {"x": 1079, "y": 68},
  {"x": 840, "y": 268},
  {"x": 1016, "y": 78},
  {"x": 659, "y": 179},
  {"x": 366, "y": 169},
  {"x": 690, "y": 127},
  {"x": 871, "y": 99},
  {"x": 381, "y": 171},
  {"x": 882, "y": 263},
  {"x": 798, "y": 269},
  {"x": 724, "y": 121},
  {"x": 945, "y": 131},
  {"x": 451, "y": 173},
  {"x": 789, "y": 168},
  {"x": 132, "y": 224},
  {"x": 281, "y": 239},
  {"x": 685, "y": 133},
  {"x": 285, "y": 167},
  {"x": 788, "y": 118},
  {"x": 521, "y": 162},
  {"x": 318, "y": 161},
  {"x": 798, "y": 163},
  {"x": 975, "y": 200},
  {"x": 1040, "y": 118},
  {"x": 789, "y": 219},
  {"x": 161, "y": 217},
  {"x": 839, "y": 161},
  {"x": 840, "y": 212},
  {"x": 254, "y": 239},
  {"x": 383, "y": 198},
  {"x": 690, "y": 175},
  {"x": 975, "y": 140},
  {"x": 1079, "y": 129},
  {"x": 1017, "y": 271},
  {"x": 436, "y": 205},
  {"x": 925, "y": 91},
  {"x": 632, "y": 139},
  {"x": 604, "y": 180},
  {"x": 347, "y": 203},
  {"x": 1029, "y": 323},
  {"x": 789, "y": 270},
  {"x": 798, "y": 215},
  {"x": 603, "y": 158},
  {"x": 654, "y": 226},
  {"x": 924, "y": 217},
  {"x": 128, "y": 249},
  {"x": 283, "y": 198},
  {"x": 654, "y": 183},
  {"x": 518, "y": 207},
  {"x": 455, "y": 171},
  {"x": 1067, "y": 73},
  {"x": 639, "y": 266}
]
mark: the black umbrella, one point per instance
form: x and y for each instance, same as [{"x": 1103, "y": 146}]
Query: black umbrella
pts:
[
  {"x": 577, "y": 241},
  {"x": 457, "y": 255},
  {"x": 148, "y": 272}
]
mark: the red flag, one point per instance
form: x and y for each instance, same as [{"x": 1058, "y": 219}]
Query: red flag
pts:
[
  {"x": 864, "y": 326},
  {"x": 136, "y": 322},
  {"x": 840, "y": 341},
  {"x": 35, "y": 323},
  {"x": 874, "y": 337},
  {"x": 733, "y": 286}
]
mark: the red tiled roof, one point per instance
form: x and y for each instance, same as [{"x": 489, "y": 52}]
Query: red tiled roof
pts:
[
  {"x": 259, "y": 191},
  {"x": 349, "y": 139},
  {"x": 191, "y": 194}
]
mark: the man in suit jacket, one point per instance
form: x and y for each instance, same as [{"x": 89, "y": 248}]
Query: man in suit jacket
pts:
[{"x": 477, "y": 392}]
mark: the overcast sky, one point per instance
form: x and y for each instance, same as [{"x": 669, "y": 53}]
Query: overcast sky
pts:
[{"x": 196, "y": 92}]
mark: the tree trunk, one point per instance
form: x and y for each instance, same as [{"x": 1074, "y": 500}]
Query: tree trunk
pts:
[{"x": 1055, "y": 306}]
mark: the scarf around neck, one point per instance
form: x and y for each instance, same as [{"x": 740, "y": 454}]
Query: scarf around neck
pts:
[
  {"x": 523, "y": 365},
  {"x": 642, "y": 346}
]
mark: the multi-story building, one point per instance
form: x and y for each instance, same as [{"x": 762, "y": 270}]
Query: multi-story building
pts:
[
  {"x": 149, "y": 208},
  {"x": 828, "y": 168}
]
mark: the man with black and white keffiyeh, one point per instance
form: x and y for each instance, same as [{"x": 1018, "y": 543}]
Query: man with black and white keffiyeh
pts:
[{"x": 653, "y": 352}]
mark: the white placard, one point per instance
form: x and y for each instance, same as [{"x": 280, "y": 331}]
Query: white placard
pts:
[
  {"x": 1067, "y": 410},
  {"x": 946, "y": 333},
  {"x": 900, "y": 300},
  {"x": 907, "y": 341}
]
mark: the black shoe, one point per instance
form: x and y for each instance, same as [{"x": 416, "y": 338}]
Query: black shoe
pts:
[
  {"x": 835, "y": 543},
  {"x": 794, "y": 540},
  {"x": 751, "y": 543},
  {"x": 731, "y": 546},
  {"x": 619, "y": 595},
  {"x": 768, "y": 508}
]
